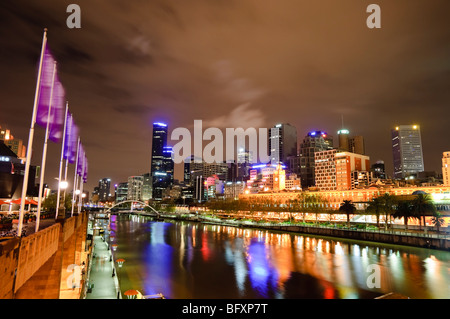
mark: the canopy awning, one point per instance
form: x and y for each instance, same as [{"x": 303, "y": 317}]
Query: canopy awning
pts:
[
  {"x": 27, "y": 201},
  {"x": 131, "y": 292}
]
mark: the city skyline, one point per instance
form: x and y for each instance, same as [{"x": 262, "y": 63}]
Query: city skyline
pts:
[{"x": 202, "y": 61}]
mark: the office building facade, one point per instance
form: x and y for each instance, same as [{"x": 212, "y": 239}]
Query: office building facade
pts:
[
  {"x": 336, "y": 170},
  {"x": 147, "y": 187},
  {"x": 104, "y": 189},
  {"x": 282, "y": 143},
  {"x": 122, "y": 192},
  {"x": 379, "y": 170},
  {"x": 162, "y": 166},
  {"x": 315, "y": 141},
  {"x": 244, "y": 163},
  {"x": 134, "y": 191},
  {"x": 353, "y": 144},
  {"x": 407, "y": 151}
]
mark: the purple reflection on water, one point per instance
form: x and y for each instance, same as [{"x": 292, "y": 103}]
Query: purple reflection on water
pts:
[
  {"x": 158, "y": 257},
  {"x": 262, "y": 276}
]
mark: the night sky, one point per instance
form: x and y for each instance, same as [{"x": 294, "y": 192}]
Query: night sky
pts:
[{"x": 230, "y": 63}]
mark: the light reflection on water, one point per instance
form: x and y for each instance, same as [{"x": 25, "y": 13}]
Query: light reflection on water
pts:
[{"x": 191, "y": 260}]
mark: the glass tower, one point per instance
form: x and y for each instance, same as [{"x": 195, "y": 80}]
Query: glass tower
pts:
[
  {"x": 315, "y": 141},
  {"x": 407, "y": 151},
  {"x": 104, "y": 189},
  {"x": 282, "y": 143},
  {"x": 162, "y": 165}
]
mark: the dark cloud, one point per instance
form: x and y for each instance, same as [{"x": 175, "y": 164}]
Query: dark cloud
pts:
[
  {"x": 249, "y": 62},
  {"x": 133, "y": 109}
]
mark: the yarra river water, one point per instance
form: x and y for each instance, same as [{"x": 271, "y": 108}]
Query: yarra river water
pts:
[{"x": 188, "y": 260}]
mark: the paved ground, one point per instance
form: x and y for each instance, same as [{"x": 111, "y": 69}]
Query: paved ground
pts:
[{"x": 101, "y": 273}]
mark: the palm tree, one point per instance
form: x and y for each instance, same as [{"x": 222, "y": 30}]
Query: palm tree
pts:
[
  {"x": 404, "y": 210},
  {"x": 349, "y": 208},
  {"x": 437, "y": 220},
  {"x": 388, "y": 204},
  {"x": 375, "y": 207},
  {"x": 314, "y": 204},
  {"x": 292, "y": 207},
  {"x": 422, "y": 205},
  {"x": 301, "y": 204}
]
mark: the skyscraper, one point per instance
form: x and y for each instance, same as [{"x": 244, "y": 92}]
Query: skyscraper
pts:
[
  {"x": 407, "y": 150},
  {"x": 134, "y": 191},
  {"x": 193, "y": 168},
  {"x": 104, "y": 189},
  {"x": 159, "y": 141},
  {"x": 336, "y": 170},
  {"x": 162, "y": 166},
  {"x": 353, "y": 144},
  {"x": 344, "y": 140},
  {"x": 147, "y": 187},
  {"x": 282, "y": 143},
  {"x": 244, "y": 163},
  {"x": 122, "y": 192},
  {"x": 356, "y": 145},
  {"x": 168, "y": 163},
  {"x": 378, "y": 170},
  {"x": 315, "y": 141}
]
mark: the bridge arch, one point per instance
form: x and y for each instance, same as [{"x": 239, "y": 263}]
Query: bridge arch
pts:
[{"x": 132, "y": 201}]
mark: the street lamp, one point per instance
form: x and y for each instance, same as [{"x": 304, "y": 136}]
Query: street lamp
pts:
[
  {"x": 60, "y": 204},
  {"x": 63, "y": 184},
  {"x": 120, "y": 262}
]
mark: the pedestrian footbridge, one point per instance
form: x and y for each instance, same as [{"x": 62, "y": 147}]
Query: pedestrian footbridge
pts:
[{"x": 112, "y": 210}]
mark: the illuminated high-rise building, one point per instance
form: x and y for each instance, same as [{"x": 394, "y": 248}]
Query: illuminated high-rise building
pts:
[
  {"x": 244, "y": 163},
  {"x": 315, "y": 141},
  {"x": 121, "y": 192},
  {"x": 378, "y": 170},
  {"x": 134, "y": 190},
  {"x": 407, "y": 151},
  {"x": 340, "y": 171},
  {"x": 446, "y": 168},
  {"x": 104, "y": 189},
  {"x": 162, "y": 165},
  {"x": 147, "y": 187},
  {"x": 356, "y": 145},
  {"x": 282, "y": 143},
  {"x": 344, "y": 140},
  {"x": 353, "y": 144}
]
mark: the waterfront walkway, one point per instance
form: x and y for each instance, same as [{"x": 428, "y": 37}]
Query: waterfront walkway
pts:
[{"x": 104, "y": 284}]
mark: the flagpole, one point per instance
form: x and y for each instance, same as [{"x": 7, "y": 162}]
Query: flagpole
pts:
[
  {"x": 75, "y": 178},
  {"x": 31, "y": 137},
  {"x": 44, "y": 152},
  {"x": 80, "y": 204},
  {"x": 65, "y": 178},
  {"x": 61, "y": 161}
]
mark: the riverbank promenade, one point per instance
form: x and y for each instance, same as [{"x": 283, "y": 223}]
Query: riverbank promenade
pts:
[{"x": 100, "y": 277}]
